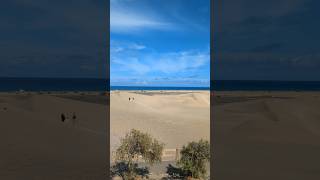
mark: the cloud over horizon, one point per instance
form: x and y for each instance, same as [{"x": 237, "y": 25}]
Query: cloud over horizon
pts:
[
  {"x": 157, "y": 42},
  {"x": 170, "y": 62}
]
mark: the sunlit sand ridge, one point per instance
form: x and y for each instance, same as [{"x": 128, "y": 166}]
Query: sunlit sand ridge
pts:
[{"x": 173, "y": 117}]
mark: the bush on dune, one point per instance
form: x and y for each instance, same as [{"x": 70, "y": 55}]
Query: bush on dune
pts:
[
  {"x": 136, "y": 144},
  {"x": 194, "y": 157},
  {"x": 121, "y": 169},
  {"x": 176, "y": 172},
  {"x": 192, "y": 164}
]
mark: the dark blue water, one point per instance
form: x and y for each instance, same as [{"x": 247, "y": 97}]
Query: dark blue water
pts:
[
  {"x": 70, "y": 84},
  {"x": 52, "y": 84},
  {"x": 265, "y": 85},
  {"x": 150, "y": 88}
]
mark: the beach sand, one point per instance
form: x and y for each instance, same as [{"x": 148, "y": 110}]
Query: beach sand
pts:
[
  {"x": 173, "y": 117},
  {"x": 257, "y": 135},
  {"x": 37, "y": 145},
  {"x": 266, "y": 135}
]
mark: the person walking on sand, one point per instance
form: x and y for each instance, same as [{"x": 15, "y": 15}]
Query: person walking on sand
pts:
[
  {"x": 63, "y": 117},
  {"x": 74, "y": 120}
]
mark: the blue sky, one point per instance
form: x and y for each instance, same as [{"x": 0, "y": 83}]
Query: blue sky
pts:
[{"x": 160, "y": 43}]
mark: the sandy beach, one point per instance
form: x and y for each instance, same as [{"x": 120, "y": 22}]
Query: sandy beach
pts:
[
  {"x": 258, "y": 135},
  {"x": 266, "y": 135},
  {"x": 37, "y": 145},
  {"x": 173, "y": 117}
]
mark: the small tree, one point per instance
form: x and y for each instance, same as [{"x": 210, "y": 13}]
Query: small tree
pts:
[
  {"x": 194, "y": 157},
  {"x": 137, "y": 144}
]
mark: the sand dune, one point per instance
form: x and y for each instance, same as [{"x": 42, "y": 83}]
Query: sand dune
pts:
[
  {"x": 35, "y": 144},
  {"x": 263, "y": 135},
  {"x": 173, "y": 117},
  {"x": 258, "y": 135}
]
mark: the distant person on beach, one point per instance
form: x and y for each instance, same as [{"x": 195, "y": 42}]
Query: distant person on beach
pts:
[
  {"x": 74, "y": 119},
  {"x": 74, "y": 116},
  {"x": 63, "y": 117}
]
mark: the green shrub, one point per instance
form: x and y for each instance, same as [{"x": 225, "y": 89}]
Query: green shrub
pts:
[
  {"x": 194, "y": 157},
  {"x": 137, "y": 144}
]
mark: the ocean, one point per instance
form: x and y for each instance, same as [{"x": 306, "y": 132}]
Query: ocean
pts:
[
  {"x": 52, "y": 84},
  {"x": 154, "y": 88},
  {"x": 241, "y": 85},
  {"x": 86, "y": 84}
]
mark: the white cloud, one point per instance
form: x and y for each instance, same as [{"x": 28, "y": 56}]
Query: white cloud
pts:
[
  {"x": 167, "y": 63},
  {"x": 137, "y": 46},
  {"x": 180, "y": 61},
  {"x": 132, "y": 65},
  {"x": 117, "y": 46},
  {"x": 124, "y": 18},
  {"x": 126, "y": 22},
  {"x": 116, "y": 49}
]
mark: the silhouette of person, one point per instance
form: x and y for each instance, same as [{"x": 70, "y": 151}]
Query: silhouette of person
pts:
[
  {"x": 74, "y": 116},
  {"x": 74, "y": 122},
  {"x": 63, "y": 117}
]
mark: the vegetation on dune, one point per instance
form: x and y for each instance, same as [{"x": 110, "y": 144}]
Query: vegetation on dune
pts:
[
  {"x": 122, "y": 170},
  {"x": 136, "y": 145},
  {"x": 194, "y": 157},
  {"x": 176, "y": 172},
  {"x": 192, "y": 164}
]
